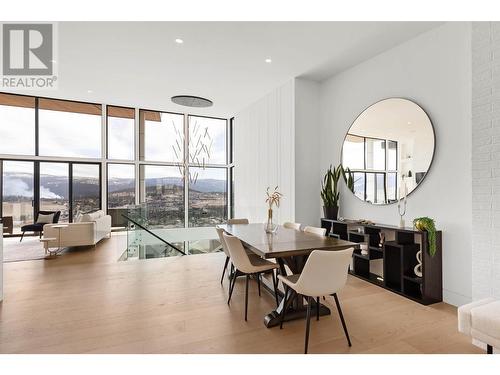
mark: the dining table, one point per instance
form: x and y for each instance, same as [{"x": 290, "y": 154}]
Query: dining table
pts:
[{"x": 290, "y": 248}]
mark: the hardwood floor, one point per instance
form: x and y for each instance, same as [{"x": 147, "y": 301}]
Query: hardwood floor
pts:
[{"x": 86, "y": 302}]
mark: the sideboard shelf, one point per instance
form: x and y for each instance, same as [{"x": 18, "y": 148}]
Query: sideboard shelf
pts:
[{"x": 390, "y": 263}]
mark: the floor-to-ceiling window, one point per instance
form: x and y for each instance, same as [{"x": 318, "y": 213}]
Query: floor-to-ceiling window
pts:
[
  {"x": 17, "y": 125},
  {"x": 74, "y": 157},
  {"x": 121, "y": 133},
  {"x": 207, "y": 175},
  {"x": 163, "y": 190},
  {"x": 69, "y": 129},
  {"x": 207, "y": 196},
  {"x": 17, "y": 192},
  {"x": 86, "y": 188},
  {"x": 163, "y": 136},
  {"x": 121, "y": 185},
  {"x": 54, "y": 188}
]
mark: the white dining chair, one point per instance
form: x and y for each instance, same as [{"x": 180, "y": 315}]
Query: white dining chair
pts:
[
  {"x": 324, "y": 274},
  {"x": 315, "y": 230},
  {"x": 245, "y": 265},
  {"x": 220, "y": 231},
  {"x": 237, "y": 221},
  {"x": 289, "y": 225}
]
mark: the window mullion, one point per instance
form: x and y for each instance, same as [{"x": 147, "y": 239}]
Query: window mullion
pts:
[
  {"x": 186, "y": 171},
  {"x": 103, "y": 171},
  {"x": 138, "y": 139},
  {"x": 37, "y": 130}
]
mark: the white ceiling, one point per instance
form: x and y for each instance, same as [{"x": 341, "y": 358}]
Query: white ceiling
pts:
[{"x": 139, "y": 64}]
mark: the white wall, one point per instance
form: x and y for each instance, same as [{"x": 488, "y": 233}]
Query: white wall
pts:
[
  {"x": 485, "y": 159},
  {"x": 307, "y": 152},
  {"x": 264, "y": 146},
  {"x": 276, "y": 142},
  {"x": 434, "y": 70}
]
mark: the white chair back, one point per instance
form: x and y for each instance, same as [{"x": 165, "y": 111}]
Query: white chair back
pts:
[
  {"x": 289, "y": 225},
  {"x": 324, "y": 273},
  {"x": 314, "y": 230},
  {"x": 220, "y": 232},
  {"x": 237, "y": 253},
  {"x": 237, "y": 221}
]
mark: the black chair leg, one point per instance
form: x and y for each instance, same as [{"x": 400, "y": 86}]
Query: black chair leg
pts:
[
  {"x": 489, "y": 349},
  {"x": 258, "y": 282},
  {"x": 317, "y": 308},
  {"x": 22, "y": 235},
  {"x": 308, "y": 323},
  {"x": 342, "y": 318},
  {"x": 39, "y": 234},
  {"x": 224, "y": 270},
  {"x": 275, "y": 285},
  {"x": 232, "y": 281},
  {"x": 246, "y": 296},
  {"x": 286, "y": 303}
]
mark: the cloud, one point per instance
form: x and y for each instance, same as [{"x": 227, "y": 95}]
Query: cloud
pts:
[
  {"x": 16, "y": 187},
  {"x": 45, "y": 193}
]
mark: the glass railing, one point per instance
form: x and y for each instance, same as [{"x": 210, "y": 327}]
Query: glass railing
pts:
[
  {"x": 145, "y": 243},
  {"x": 149, "y": 235},
  {"x": 156, "y": 215}
]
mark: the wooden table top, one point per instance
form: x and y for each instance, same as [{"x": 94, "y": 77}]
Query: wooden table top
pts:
[{"x": 285, "y": 242}]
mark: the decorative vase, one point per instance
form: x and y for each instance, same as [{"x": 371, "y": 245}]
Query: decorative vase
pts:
[
  {"x": 364, "y": 248},
  {"x": 331, "y": 212},
  {"x": 418, "y": 268},
  {"x": 270, "y": 227},
  {"x": 419, "y": 225},
  {"x": 381, "y": 242}
]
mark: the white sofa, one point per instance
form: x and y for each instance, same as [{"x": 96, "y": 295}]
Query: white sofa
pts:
[
  {"x": 87, "y": 231},
  {"x": 481, "y": 321}
]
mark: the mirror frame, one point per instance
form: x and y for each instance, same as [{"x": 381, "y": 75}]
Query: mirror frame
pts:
[{"x": 433, "y": 151}]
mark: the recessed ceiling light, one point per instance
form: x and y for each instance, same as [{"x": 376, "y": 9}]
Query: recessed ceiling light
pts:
[
  {"x": 268, "y": 60},
  {"x": 409, "y": 122},
  {"x": 179, "y": 41},
  {"x": 89, "y": 91}
]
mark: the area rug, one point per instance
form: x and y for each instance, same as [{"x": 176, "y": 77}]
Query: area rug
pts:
[{"x": 30, "y": 249}]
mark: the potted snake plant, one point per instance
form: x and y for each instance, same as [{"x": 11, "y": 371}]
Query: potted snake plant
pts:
[{"x": 330, "y": 193}]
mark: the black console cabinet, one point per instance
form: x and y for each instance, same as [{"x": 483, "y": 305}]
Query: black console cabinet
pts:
[{"x": 391, "y": 264}]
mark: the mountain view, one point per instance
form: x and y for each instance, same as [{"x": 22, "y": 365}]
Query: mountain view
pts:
[
  {"x": 165, "y": 196},
  {"x": 54, "y": 187}
]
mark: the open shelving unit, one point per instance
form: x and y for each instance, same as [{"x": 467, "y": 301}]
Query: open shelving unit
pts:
[{"x": 390, "y": 263}]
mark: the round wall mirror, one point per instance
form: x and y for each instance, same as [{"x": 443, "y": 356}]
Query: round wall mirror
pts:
[{"x": 388, "y": 150}]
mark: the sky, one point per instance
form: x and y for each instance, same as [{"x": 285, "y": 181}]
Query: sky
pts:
[
  {"x": 121, "y": 138},
  {"x": 69, "y": 134},
  {"x": 121, "y": 171},
  {"x": 18, "y": 138}
]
